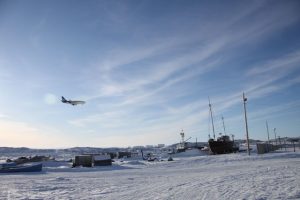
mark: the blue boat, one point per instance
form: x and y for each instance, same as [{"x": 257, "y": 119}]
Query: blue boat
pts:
[
  {"x": 21, "y": 168},
  {"x": 8, "y": 164}
]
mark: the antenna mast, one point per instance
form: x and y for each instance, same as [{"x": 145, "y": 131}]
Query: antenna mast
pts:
[{"x": 212, "y": 120}]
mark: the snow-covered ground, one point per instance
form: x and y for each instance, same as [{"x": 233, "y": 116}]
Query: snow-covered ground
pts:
[{"x": 231, "y": 176}]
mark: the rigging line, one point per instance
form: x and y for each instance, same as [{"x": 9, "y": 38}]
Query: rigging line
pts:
[
  {"x": 212, "y": 119},
  {"x": 223, "y": 125},
  {"x": 208, "y": 124}
]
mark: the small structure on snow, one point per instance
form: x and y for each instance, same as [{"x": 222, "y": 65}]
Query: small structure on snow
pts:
[
  {"x": 83, "y": 160},
  {"x": 102, "y": 160},
  {"x": 91, "y": 160}
]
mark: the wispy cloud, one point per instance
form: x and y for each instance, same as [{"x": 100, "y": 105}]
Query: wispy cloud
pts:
[
  {"x": 267, "y": 112},
  {"x": 263, "y": 79},
  {"x": 270, "y": 112},
  {"x": 279, "y": 66},
  {"x": 163, "y": 72},
  {"x": 160, "y": 71}
]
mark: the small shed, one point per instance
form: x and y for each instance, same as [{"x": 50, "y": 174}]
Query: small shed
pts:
[
  {"x": 83, "y": 160},
  {"x": 265, "y": 148},
  {"x": 102, "y": 160},
  {"x": 122, "y": 154}
]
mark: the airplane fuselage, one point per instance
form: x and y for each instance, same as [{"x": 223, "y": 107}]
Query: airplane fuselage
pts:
[{"x": 72, "y": 102}]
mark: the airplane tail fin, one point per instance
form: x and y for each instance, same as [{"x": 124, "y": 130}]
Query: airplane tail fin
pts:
[{"x": 63, "y": 99}]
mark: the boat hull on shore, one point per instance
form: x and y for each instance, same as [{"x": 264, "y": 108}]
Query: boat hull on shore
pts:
[
  {"x": 222, "y": 146},
  {"x": 22, "y": 168}
]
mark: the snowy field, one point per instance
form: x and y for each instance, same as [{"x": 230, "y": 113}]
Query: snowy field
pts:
[{"x": 232, "y": 176}]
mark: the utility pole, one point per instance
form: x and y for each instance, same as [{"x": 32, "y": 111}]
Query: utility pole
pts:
[
  {"x": 223, "y": 125},
  {"x": 212, "y": 120},
  {"x": 268, "y": 132},
  {"x": 268, "y": 145},
  {"x": 247, "y": 135}
]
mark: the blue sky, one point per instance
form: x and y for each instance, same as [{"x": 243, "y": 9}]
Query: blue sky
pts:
[{"x": 145, "y": 70}]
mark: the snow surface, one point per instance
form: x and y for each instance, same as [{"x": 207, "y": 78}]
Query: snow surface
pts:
[{"x": 231, "y": 176}]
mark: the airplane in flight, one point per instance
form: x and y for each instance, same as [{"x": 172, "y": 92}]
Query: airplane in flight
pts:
[{"x": 74, "y": 103}]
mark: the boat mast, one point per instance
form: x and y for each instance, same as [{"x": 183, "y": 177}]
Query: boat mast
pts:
[
  {"x": 223, "y": 125},
  {"x": 212, "y": 120},
  {"x": 247, "y": 135}
]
